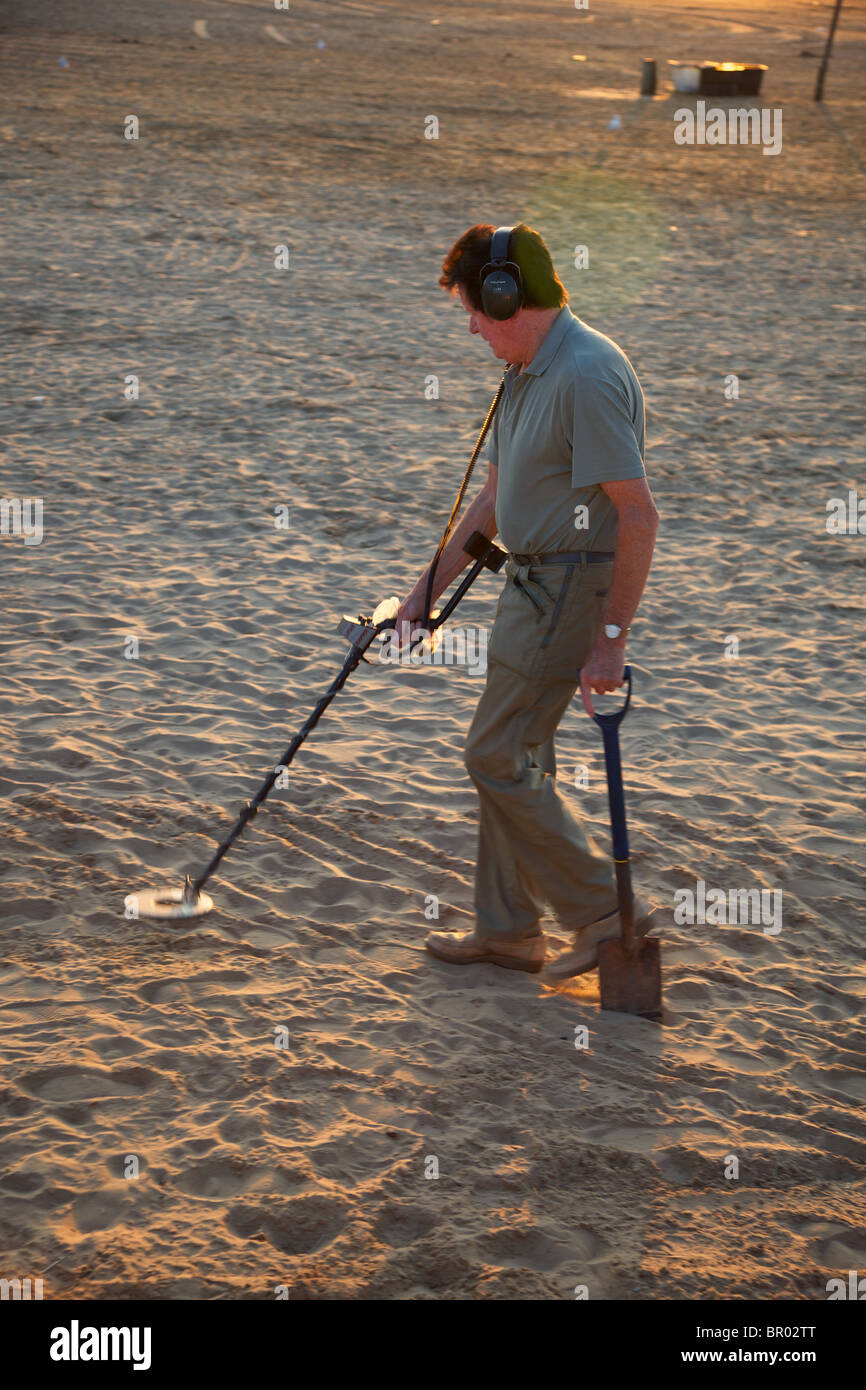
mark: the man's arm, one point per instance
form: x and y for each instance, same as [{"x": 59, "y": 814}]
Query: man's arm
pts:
[
  {"x": 479, "y": 517},
  {"x": 637, "y": 524}
]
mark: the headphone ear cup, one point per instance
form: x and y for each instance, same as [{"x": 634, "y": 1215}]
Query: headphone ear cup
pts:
[{"x": 500, "y": 295}]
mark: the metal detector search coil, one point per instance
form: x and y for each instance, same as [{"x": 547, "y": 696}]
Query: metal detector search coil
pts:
[{"x": 167, "y": 902}]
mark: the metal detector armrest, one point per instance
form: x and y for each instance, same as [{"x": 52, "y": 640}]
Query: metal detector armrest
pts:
[{"x": 480, "y": 547}]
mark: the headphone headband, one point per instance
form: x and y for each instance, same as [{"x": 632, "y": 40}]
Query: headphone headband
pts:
[
  {"x": 500, "y": 280},
  {"x": 500, "y": 244}
]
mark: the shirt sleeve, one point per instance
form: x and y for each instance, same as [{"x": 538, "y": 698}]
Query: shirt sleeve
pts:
[
  {"x": 607, "y": 442},
  {"x": 491, "y": 443}
]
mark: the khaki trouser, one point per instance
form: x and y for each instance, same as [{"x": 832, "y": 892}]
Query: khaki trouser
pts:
[{"x": 530, "y": 847}]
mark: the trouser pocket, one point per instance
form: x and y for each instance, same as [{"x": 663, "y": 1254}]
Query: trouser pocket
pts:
[
  {"x": 543, "y": 624},
  {"x": 559, "y": 604},
  {"x": 525, "y": 589},
  {"x": 531, "y": 587},
  {"x": 575, "y": 622}
]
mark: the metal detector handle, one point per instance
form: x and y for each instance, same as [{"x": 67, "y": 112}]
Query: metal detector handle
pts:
[{"x": 486, "y": 554}]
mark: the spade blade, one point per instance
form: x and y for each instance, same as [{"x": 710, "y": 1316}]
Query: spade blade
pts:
[{"x": 631, "y": 980}]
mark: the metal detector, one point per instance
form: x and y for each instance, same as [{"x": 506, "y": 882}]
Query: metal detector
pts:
[{"x": 360, "y": 632}]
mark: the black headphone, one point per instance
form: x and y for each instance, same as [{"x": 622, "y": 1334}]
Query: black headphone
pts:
[{"x": 501, "y": 281}]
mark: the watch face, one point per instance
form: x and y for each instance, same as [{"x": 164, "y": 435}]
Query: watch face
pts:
[{"x": 611, "y": 630}]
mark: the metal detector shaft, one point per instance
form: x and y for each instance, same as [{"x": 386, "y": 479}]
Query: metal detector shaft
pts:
[
  {"x": 488, "y": 556},
  {"x": 249, "y": 811}
]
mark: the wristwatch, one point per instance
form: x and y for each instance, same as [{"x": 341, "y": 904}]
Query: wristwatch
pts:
[{"x": 615, "y": 632}]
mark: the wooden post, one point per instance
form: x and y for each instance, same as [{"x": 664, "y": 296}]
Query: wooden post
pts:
[
  {"x": 648, "y": 78},
  {"x": 819, "y": 85}
]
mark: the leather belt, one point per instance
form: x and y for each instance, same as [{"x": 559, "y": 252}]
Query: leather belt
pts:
[{"x": 565, "y": 557}]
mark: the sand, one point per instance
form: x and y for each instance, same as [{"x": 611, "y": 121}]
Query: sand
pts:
[{"x": 310, "y": 1165}]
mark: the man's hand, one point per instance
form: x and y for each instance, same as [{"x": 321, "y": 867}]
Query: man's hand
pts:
[
  {"x": 603, "y": 672},
  {"x": 411, "y": 611}
]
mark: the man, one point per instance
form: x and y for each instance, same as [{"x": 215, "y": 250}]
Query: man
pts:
[{"x": 567, "y": 493}]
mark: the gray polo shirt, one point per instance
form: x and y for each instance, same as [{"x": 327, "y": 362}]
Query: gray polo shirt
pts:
[{"x": 572, "y": 420}]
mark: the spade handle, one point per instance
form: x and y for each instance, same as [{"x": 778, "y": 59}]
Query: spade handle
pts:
[{"x": 615, "y": 717}]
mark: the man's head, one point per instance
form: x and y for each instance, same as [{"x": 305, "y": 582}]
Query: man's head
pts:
[{"x": 514, "y": 339}]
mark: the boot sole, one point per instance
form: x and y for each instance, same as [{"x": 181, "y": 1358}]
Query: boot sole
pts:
[
  {"x": 589, "y": 961},
  {"x": 529, "y": 967}
]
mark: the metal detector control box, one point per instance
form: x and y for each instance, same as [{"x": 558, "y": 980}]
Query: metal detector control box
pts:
[{"x": 358, "y": 632}]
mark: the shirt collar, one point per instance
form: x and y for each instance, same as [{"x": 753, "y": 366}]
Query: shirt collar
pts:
[{"x": 550, "y": 344}]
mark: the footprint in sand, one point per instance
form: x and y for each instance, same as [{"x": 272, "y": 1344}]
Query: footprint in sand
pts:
[
  {"x": 165, "y": 992},
  {"x": 172, "y": 989},
  {"x": 353, "y": 1158},
  {"x": 97, "y": 1211},
  {"x": 113, "y": 1045},
  {"x": 399, "y": 1226},
  {"x": 22, "y": 1184},
  {"x": 216, "y": 1178},
  {"x": 523, "y": 1247},
  {"x": 88, "y": 1083},
  {"x": 843, "y": 1250},
  {"x": 301, "y": 1226}
]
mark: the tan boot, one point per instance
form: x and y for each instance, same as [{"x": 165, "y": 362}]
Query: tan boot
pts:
[
  {"x": 468, "y": 948},
  {"x": 583, "y": 956}
]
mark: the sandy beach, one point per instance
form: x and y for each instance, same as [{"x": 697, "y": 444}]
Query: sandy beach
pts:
[{"x": 165, "y": 638}]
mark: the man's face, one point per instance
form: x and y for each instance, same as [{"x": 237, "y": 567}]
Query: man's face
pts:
[{"x": 502, "y": 337}]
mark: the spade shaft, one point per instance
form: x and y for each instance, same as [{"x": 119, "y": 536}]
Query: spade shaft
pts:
[
  {"x": 629, "y": 969},
  {"x": 619, "y": 828}
]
